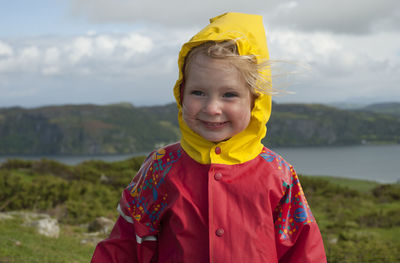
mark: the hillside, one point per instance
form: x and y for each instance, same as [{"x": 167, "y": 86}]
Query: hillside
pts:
[
  {"x": 123, "y": 128},
  {"x": 392, "y": 108},
  {"x": 83, "y": 129},
  {"x": 316, "y": 125}
]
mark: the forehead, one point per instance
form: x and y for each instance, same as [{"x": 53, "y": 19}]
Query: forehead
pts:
[
  {"x": 204, "y": 67},
  {"x": 202, "y": 59}
]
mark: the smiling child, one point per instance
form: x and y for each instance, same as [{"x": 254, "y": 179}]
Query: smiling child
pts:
[{"x": 218, "y": 195}]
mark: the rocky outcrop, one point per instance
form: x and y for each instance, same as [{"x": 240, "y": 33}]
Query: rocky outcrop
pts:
[
  {"x": 47, "y": 227},
  {"x": 43, "y": 223},
  {"x": 102, "y": 225}
]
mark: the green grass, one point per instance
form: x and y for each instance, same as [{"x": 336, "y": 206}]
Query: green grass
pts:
[
  {"x": 390, "y": 234},
  {"x": 363, "y": 186},
  {"x": 22, "y": 244},
  {"x": 359, "y": 220}
]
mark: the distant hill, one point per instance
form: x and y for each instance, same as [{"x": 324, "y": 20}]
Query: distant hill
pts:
[
  {"x": 85, "y": 129},
  {"x": 392, "y": 108},
  {"x": 123, "y": 128},
  {"x": 317, "y": 125},
  {"x": 348, "y": 105}
]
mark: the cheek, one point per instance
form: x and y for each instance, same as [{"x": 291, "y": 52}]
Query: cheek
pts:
[
  {"x": 188, "y": 110},
  {"x": 191, "y": 106},
  {"x": 184, "y": 112},
  {"x": 243, "y": 116},
  {"x": 246, "y": 118}
]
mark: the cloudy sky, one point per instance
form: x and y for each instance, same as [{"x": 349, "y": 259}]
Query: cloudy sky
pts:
[{"x": 110, "y": 51}]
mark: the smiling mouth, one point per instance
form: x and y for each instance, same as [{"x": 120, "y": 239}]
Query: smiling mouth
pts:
[{"x": 214, "y": 125}]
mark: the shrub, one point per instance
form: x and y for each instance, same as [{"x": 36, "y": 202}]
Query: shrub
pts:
[
  {"x": 379, "y": 218},
  {"x": 76, "y": 194},
  {"x": 51, "y": 167},
  {"x": 387, "y": 192},
  {"x": 16, "y": 164},
  {"x": 361, "y": 247}
]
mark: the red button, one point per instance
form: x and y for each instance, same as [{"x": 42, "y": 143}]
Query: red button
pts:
[
  {"x": 220, "y": 232},
  {"x": 218, "y": 176},
  {"x": 217, "y": 150}
]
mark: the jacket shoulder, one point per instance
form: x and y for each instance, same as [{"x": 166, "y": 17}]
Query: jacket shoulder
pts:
[
  {"x": 159, "y": 159},
  {"x": 277, "y": 165},
  {"x": 145, "y": 198},
  {"x": 167, "y": 154}
]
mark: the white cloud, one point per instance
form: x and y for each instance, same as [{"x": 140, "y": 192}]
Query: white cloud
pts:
[
  {"x": 5, "y": 50},
  {"x": 102, "y": 68},
  {"x": 105, "y": 45},
  {"x": 30, "y": 53},
  {"x": 52, "y": 55},
  {"x": 324, "y": 48},
  {"x": 303, "y": 47},
  {"x": 97, "y": 54},
  {"x": 136, "y": 44},
  {"x": 343, "y": 66},
  {"x": 80, "y": 48}
]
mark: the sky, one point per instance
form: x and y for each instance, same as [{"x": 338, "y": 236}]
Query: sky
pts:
[{"x": 55, "y": 52}]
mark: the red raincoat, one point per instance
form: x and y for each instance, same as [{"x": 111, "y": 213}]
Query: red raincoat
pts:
[{"x": 191, "y": 212}]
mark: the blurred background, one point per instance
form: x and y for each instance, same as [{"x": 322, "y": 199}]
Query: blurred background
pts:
[{"x": 86, "y": 92}]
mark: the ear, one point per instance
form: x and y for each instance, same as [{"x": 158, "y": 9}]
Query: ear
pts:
[{"x": 253, "y": 97}]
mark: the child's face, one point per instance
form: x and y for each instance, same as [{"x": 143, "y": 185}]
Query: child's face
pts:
[{"x": 216, "y": 100}]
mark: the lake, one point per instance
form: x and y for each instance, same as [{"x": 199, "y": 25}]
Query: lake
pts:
[{"x": 369, "y": 162}]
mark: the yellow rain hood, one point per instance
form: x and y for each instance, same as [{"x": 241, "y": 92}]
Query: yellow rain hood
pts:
[{"x": 248, "y": 33}]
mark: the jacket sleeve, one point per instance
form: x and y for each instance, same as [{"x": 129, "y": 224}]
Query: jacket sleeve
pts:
[
  {"x": 297, "y": 235},
  {"x": 123, "y": 245},
  {"x": 134, "y": 236}
]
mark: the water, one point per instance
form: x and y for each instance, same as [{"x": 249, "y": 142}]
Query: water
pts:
[
  {"x": 73, "y": 159},
  {"x": 370, "y": 162}
]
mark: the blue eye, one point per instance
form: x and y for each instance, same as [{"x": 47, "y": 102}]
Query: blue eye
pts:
[
  {"x": 230, "y": 95},
  {"x": 197, "y": 93}
]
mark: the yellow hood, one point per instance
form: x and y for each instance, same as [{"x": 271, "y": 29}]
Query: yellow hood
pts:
[{"x": 248, "y": 32}]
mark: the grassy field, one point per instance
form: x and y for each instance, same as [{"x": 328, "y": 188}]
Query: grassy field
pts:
[
  {"x": 19, "y": 243},
  {"x": 362, "y": 186},
  {"x": 359, "y": 220}
]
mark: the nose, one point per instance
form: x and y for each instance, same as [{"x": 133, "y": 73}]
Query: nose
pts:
[{"x": 212, "y": 107}]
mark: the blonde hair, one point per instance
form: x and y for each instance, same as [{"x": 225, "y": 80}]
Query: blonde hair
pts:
[{"x": 256, "y": 75}]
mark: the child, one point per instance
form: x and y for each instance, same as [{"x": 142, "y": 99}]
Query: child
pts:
[{"x": 218, "y": 195}]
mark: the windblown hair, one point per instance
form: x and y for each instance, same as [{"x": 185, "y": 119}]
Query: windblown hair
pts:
[{"x": 256, "y": 75}]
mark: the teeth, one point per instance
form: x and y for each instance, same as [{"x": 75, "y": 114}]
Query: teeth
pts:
[{"x": 214, "y": 123}]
